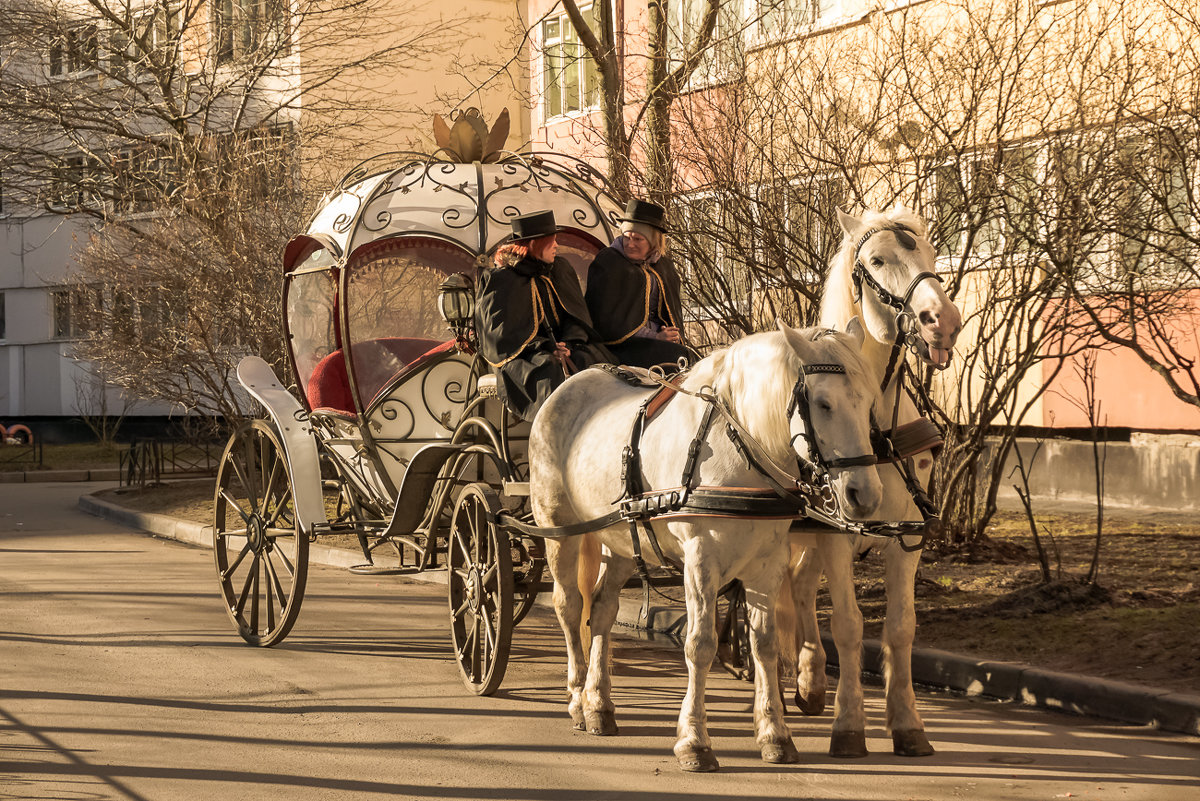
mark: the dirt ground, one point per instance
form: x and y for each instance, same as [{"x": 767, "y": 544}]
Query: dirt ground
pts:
[{"x": 1137, "y": 622}]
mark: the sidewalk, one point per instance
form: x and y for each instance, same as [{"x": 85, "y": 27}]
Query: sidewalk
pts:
[{"x": 932, "y": 669}]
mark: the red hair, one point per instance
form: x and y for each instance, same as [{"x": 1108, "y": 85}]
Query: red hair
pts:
[{"x": 513, "y": 252}]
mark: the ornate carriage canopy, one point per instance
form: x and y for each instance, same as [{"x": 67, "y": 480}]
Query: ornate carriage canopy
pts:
[{"x": 365, "y": 274}]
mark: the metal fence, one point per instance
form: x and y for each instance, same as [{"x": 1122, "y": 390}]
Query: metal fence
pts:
[
  {"x": 24, "y": 453},
  {"x": 148, "y": 461}
]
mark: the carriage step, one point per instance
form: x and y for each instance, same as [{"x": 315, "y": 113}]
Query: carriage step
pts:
[{"x": 516, "y": 488}]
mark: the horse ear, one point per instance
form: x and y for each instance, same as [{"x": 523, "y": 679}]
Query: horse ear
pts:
[
  {"x": 797, "y": 343},
  {"x": 850, "y": 224},
  {"x": 855, "y": 329}
]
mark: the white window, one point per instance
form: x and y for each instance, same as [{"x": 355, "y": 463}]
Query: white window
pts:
[
  {"x": 715, "y": 256},
  {"x": 76, "y": 183},
  {"x": 241, "y": 27},
  {"x": 993, "y": 206},
  {"x": 798, "y": 231},
  {"x": 570, "y": 79},
  {"x": 724, "y": 56},
  {"x": 152, "y": 31},
  {"x": 76, "y": 52},
  {"x": 65, "y": 316},
  {"x": 1154, "y": 221}
]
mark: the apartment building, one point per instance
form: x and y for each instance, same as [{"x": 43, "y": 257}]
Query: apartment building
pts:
[
  {"x": 241, "y": 65},
  {"x": 1052, "y": 146}
]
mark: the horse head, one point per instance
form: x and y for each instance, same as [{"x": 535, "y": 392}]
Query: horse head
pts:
[
  {"x": 830, "y": 414},
  {"x": 886, "y": 263}
]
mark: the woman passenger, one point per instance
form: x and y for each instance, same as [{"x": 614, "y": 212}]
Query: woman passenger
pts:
[
  {"x": 532, "y": 322},
  {"x": 633, "y": 292}
]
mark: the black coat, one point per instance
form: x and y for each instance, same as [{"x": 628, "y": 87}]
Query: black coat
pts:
[
  {"x": 618, "y": 298},
  {"x": 521, "y": 312}
]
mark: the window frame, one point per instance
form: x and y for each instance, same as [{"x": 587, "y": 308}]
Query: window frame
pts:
[
  {"x": 587, "y": 95},
  {"x": 65, "y": 59},
  {"x": 241, "y": 27}
]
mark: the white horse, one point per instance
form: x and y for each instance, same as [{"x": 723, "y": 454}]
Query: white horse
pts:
[
  {"x": 898, "y": 261},
  {"x": 575, "y": 457}
]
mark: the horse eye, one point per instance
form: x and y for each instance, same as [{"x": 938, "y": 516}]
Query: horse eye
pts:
[
  {"x": 876, "y": 261},
  {"x": 825, "y": 406}
]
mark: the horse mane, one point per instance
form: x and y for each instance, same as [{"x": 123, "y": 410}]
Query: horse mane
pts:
[
  {"x": 755, "y": 375},
  {"x": 837, "y": 301}
]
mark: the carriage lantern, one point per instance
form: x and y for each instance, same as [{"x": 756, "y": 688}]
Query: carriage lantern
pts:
[{"x": 456, "y": 302}]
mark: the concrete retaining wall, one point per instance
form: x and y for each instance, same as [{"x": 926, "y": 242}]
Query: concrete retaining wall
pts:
[{"x": 1147, "y": 472}]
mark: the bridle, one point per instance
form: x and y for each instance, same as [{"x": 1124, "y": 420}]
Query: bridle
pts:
[
  {"x": 802, "y": 403},
  {"x": 906, "y": 336},
  {"x": 861, "y": 275}
]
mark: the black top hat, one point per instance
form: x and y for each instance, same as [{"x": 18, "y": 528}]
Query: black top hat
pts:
[
  {"x": 534, "y": 225},
  {"x": 645, "y": 212}
]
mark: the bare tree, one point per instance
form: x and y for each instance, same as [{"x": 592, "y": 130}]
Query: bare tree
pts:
[{"x": 186, "y": 130}]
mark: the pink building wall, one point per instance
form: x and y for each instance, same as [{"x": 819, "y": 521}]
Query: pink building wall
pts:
[{"x": 1130, "y": 393}]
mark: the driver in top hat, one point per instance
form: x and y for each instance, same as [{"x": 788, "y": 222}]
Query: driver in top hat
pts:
[
  {"x": 531, "y": 319},
  {"x": 633, "y": 292}
]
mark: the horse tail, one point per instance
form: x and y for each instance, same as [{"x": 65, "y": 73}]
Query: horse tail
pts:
[{"x": 588, "y": 573}]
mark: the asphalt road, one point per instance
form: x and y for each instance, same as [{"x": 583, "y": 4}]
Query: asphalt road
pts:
[{"x": 121, "y": 678}]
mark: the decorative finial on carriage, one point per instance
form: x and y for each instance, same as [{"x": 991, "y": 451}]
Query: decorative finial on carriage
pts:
[{"x": 469, "y": 139}]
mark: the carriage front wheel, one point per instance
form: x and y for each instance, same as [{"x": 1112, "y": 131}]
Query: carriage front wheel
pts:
[
  {"x": 480, "y": 577},
  {"x": 261, "y": 554}
]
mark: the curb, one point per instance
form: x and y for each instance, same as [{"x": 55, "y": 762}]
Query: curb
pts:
[
  {"x": 938, "y": 670},
  {"x": 44, "y": 476}
]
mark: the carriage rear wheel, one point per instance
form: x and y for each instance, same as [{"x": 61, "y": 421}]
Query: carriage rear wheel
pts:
[
  {"x": 260, "y": 552},
  {"x": 480, "y": 578}
]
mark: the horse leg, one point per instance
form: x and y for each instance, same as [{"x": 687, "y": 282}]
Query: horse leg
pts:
[
  {"x": 805, "y": 578},
  {"x": 693, "y": 748},
  {"x": 771, "y": 732},
  {"x": 598, "y": 710},
  {"x": 899, "y": 628},
  {"x": 563, "y": 557},
  {"x": 849, "y": 725}
]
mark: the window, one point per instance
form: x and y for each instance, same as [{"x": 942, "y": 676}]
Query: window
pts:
[
  {"x": 781, "y": 18},
  {"x": 723, "y": 56},
  {"x": 76, "y": 52},
  {"x": 241, "y": 27},
  {"x": 76, "y": 183},
  {"x": 143, "y": 178},
  {"x": 714, "y": 247},
  {"x": 65, "y": 313},
  {"x": 570, "y": 79},
  {"x": 1153, "y": 224},
  {"x": 152, "y": 31},
  {"x": 797, "y": 228},
  {"x": 991, "y": 204}
]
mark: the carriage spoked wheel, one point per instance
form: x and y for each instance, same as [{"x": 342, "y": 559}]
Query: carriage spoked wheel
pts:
[
  {"x": 261, "y": 555},
  {"x": 480, "y": 578}
]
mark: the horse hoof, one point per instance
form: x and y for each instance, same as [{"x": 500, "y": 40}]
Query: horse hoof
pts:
[
  {"x": 811, "y": 704},
  {"x": 783, "y": 753},
  {"x": 911, "y": 743},
  {"x": 848, "y": 744},
  {"x": 577, "y": 721},
  {"x": 601, "y": 724},
  {"x": 698, "y": 760}
]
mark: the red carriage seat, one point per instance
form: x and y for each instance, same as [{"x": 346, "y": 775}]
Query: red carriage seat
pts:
[{"x": 379, "y": 362}]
